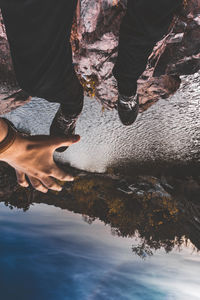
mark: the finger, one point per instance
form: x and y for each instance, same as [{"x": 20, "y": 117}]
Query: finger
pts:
[
  {"x": 21, "y": 179},
  {"x": 58, "y": 142},
  {"x": 38, "y": 185},
  {"x": 61, "y": 175},
  {"x": 53, "y": 142},
  {"x": 51, "y": 184}
]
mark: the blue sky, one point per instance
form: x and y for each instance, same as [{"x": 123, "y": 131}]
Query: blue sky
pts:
[{"x": 49, "y": 253}]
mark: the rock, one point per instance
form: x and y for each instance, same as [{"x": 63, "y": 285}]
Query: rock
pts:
[
  {"x": 96, "y": 50},
  {"x": 182, "y": 51},
  {"x": 7, "y": 76},
  {"x": 94, "y": 43},
  {"x": 10, "y": 93}
]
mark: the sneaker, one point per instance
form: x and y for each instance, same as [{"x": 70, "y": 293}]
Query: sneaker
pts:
[
  {"x": 64, "y": 122},
  {"x": 63, "y": 125},
  {"x": 128, "y": 108}
]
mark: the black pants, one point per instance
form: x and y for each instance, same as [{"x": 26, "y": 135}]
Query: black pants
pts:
[
  {"x": 39, "y": 33},
  {"x": 145, "y": 23},
  {"x": 39, "y": 36}
]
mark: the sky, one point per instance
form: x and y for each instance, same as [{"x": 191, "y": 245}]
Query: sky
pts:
[{"x": 49, "y": 253}]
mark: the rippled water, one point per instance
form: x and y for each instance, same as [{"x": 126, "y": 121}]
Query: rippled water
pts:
[{"x": 168, "y": 131}]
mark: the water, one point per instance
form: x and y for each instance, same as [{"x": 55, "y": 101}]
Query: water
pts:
[
  {"x": 169, "y": 131},
  {"x": 52, "y": 254},
  {"x": 94, "y": 241}
]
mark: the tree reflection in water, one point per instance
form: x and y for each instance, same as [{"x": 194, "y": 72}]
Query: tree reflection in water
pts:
[{"x": 162, "y": 213}]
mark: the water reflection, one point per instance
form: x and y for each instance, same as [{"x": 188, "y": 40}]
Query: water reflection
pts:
[
  {"x": 48, "y": 253},
  {"x": 163, "y": 213}
]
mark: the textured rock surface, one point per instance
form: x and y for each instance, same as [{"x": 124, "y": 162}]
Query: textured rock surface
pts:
[
  {"x": 8, "y": 83},
  {"x": 96, "y": 50},
  {"x": 95, "y": 40},
  {"x": 182, "y": 50}
]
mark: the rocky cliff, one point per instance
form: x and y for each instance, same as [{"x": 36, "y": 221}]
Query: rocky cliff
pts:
[{"x": 94, "y": 42}]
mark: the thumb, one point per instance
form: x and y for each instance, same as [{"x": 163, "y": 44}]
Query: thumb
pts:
[{"x": 66, "y": 141}]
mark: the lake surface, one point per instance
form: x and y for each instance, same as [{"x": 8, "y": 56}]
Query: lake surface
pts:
[
  {"x": 167, "y": 132},
  {"x": 130, "y": 243},
  {"x": 52, "y": 254}
]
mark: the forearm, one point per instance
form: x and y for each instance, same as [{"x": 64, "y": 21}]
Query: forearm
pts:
[{"x": 3, "y": 130}]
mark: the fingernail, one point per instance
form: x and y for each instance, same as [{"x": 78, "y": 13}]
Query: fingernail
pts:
[{"x": 24, "y": 185}]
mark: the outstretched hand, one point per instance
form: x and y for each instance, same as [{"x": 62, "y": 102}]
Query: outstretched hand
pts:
[{"x": 32, "y": 157}]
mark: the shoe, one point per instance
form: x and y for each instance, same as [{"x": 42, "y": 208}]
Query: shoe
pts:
[
  {"x": 64, "y": 122},
  {"x": 128, "y": 108},
  {"x": 63, "y": 125}
]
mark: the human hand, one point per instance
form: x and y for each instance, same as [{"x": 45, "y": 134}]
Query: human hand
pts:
[{"x": 32, "y": 156}]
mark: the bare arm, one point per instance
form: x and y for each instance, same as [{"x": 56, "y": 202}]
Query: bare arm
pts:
[{"x": 3, "y": 130}]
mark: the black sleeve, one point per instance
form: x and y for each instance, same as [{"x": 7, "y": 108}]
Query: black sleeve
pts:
[
  {"x": 144, "y": 24},
  {"x": 10, "y": 3}
]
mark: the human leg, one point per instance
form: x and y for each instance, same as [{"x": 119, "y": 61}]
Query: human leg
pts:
[
  {"x": 39, "y": 37},
  {"x": 144, "y": 24},
  {"x": 39, "y": 34}
]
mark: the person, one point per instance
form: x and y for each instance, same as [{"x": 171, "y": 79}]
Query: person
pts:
[{"x": 39, "y": 36}]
